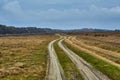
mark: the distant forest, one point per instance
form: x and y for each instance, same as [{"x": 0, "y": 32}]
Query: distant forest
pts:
[
  {"x": 4, "y": 30},
  {"x": 24, "y": 30}
]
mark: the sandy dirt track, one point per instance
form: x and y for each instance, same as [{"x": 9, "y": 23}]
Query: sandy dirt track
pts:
[
  {"x": 104, "y": 51},
  {"x": 55, "y": 71},
  {"x": 87, "y": 71},
  {"x": 73, "y": 42}
]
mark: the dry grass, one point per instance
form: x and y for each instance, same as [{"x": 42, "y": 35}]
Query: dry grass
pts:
[
  {"x": 100, "y": 64},
  {"x": 105, "y": 44},
  {"x": 109, "y": 42},
  {"x": 23, "y": 57}
]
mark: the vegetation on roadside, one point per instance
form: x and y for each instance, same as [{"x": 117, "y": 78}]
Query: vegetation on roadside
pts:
[
  {"x": 109, "y": 40},
  {"x": 24, "y": 57},
  {"x": 69, "y": 68},
  {"x": 108, "y": 69},
  {"x": 111, "y": 43},
  {"x": 97, "y": 50}
]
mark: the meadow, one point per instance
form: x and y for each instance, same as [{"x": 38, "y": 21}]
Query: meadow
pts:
[{"x": 24, "y": 57}]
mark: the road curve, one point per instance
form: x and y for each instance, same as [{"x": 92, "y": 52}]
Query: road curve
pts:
[
  {"x": 55, "y": 71},
  {"x": 86, "y": 70}
]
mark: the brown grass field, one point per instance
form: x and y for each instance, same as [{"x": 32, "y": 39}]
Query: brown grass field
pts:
[
  {"x": 106, "y": 44},
  {"x": 109, "y": 42},
  {"x": 101, "y": 50},
  {"x": 24, "y": 57},
  {"x": 105, "y": 40}
]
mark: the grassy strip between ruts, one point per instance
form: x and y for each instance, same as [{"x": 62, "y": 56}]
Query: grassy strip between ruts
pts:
[
  {"x": 69, "y": 68},
  {"x": 108, "y": 69}
]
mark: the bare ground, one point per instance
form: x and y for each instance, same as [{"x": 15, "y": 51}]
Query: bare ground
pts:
[
  {"x": 87, "y": 71},
  {"x": 55, "y": 71}
]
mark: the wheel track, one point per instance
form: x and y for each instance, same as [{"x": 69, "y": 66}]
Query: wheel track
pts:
[
  {"x": 86, "y": 70},
  {"x": 55, "y": 71}
]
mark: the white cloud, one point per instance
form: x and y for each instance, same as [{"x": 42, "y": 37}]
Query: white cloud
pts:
[
  {"x": 115, "y": 9},
  {"x": 13, "y": 7},
  {"x": 60, "y": 11}
]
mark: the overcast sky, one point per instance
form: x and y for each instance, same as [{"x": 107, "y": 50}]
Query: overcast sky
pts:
[{"x": 61, "y": 14}]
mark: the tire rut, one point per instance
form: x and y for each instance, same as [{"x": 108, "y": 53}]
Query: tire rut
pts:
[
  {"x": 55, "y": 71},
  {"x": 86, "y": 70}
]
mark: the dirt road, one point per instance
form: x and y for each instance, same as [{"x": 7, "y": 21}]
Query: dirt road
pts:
[
  {"x": 93, "y": 53},
  {"x": 55, "y": 71},
  {"x": 103, "y": 51},
  {"x": 86, "y": 70}
]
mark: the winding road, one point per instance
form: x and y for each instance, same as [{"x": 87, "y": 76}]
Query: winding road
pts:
[
  {"x": 55, "y": 71},
  {"x": 86, "y": 70}
]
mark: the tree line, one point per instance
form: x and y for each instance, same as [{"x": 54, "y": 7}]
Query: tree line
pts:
[
  {"x": 34, "y": 30},
  {"x": 24, "y": 30}
]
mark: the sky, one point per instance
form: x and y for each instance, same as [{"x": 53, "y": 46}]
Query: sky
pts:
[{"x": 61, "y": 14}]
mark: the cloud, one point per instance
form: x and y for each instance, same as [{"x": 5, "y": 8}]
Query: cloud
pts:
[
  {"x": 13, "y": 7},
  {"x": 92, "y": 13},
  {"x": 62, "y": 12},
  {"x": 115, "y": 9}
]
